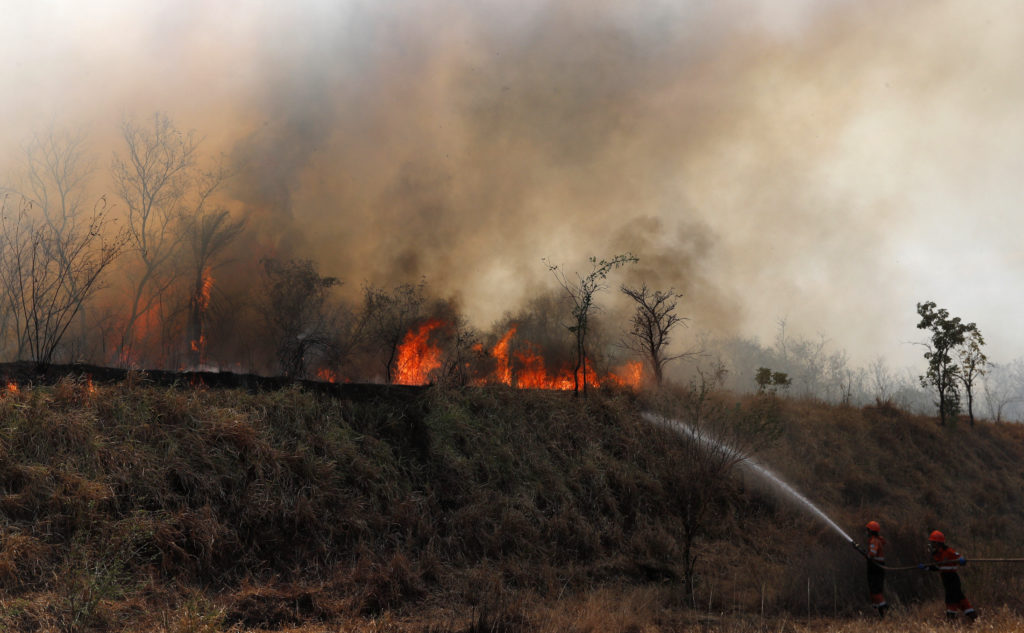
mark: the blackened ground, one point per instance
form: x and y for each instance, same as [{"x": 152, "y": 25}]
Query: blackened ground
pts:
[{"x": 28, "y": 373}]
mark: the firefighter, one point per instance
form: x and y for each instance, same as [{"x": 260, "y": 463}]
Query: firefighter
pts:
[
  {"x": 945, "y": 560},
  {"x": 876, "y": 570}
]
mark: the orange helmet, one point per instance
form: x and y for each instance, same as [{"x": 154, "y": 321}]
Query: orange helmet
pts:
[
  {"x": 937, "y": 537},
  {"x": 873, "y": 526}
]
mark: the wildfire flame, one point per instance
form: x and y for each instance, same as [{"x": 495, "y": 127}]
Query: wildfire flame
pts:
[
  {"x": 207, "y": 288},
  {"x": 202, "y": 302},
  {"x": 503, "y": 372},
  {"x": 12, "y": 387},
  {"x": 417, "y": 357},
  {"x": 524, "y": 368}
]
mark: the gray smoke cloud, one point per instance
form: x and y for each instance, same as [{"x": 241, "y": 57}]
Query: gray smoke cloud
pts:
[{"x": 830, "y": 163}]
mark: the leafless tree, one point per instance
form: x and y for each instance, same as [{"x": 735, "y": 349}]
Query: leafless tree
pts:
[
  {"x": 652, "y": 322},
  {"x": 47, "y": 274},
  {"x": 389, "y": 315},
  {"x": 713, "y": 440},
  {"x": 163, "y": 187},
  {"x": 210, "y": 234},
  {"x": 297, "y": 315},
  {"x": 973, "y": 364},
  {"x": 1004, "y": 388},
  {"x": 581, "y": 291}
]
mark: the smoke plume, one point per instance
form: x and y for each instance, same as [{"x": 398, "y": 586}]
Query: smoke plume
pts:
[{"x": 829, "y": 163}]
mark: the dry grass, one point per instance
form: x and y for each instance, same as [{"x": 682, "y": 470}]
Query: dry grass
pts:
[{"x": 133, "y": 507}]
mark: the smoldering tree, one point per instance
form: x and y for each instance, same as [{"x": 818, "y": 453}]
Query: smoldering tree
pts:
[
  {"x": 581, "y": 291},
  {"x": 389, "y": 315},
  {"x": 47, "y": 274},
  {"x": 296, "y": 312},
  {"x": 209, "y": 235},
  {"x": 650, "y": 326},
  {"x": 159, "y": 179}
]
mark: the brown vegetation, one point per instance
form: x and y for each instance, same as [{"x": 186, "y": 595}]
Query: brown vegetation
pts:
[{"x": 134, "y": 506}]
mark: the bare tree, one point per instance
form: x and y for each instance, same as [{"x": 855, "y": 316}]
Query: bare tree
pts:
[
  {"x": 55, "y": 179},
  {"x": 296, "y": 312},
  {"x": 714, "y": 439},
  {"x": 973, "y": 363},
  {"x": 211, "y": 233},
  {"x": 652, "y": 322},
  {"x": 47, "y": 275},
  {"x": 581, "y": 291},
  {"x": 163, "y": 187},
  {"x": 1004, "y": 388},
  {"x": 389, "y": 315}
]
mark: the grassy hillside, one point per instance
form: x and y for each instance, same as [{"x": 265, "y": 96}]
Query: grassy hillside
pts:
[{"x": 135, "y": 507}]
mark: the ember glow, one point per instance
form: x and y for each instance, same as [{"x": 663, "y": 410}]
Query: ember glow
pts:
[{"x": 326, "y": 375}]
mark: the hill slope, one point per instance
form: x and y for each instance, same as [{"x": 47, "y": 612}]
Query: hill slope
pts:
[{"x": 134, "y": 505}]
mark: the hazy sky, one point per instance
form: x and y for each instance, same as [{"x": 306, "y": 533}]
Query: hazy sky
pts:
[{"x": 830, "y": 163}]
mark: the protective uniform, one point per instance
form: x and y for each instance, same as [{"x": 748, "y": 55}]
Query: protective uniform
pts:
[
  {"x": 876, "y": 573},
  {"x": 946, "y": 562}
]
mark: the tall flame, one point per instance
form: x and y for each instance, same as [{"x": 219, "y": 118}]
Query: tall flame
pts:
[
  {"x": 417, "y": 357},
  {"x": 503, "y": 371}
]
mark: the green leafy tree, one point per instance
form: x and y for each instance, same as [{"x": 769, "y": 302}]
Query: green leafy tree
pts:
[
  {"x": 771, "y": 381},
  {"x": 581, "y": 291},
  {"x": 944, "y": 374}
]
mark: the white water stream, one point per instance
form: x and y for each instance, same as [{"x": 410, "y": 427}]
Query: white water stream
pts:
[{"x": 764, "y": 473}]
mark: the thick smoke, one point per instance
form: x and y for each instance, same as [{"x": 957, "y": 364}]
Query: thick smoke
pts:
[{"x": 830, "y": 163}]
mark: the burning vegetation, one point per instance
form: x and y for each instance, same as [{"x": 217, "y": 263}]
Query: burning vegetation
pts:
[{"x": 173, "y": 274}]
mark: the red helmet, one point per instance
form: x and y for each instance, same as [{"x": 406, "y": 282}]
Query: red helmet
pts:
[
  {"x": 873, "y": 526},
  {"x": 937, "y": 537}
]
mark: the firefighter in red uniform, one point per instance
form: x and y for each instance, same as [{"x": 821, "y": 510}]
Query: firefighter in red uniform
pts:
[
  {"x": 876, "y": 571},
  {"x": 946, "y": 560}
]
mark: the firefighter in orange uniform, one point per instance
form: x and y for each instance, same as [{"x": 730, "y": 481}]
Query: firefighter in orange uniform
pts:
[
  {"x": 946, "y": 560},
  {"x": 876, "y": 571}
]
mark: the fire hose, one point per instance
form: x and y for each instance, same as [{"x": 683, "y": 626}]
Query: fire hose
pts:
[{"x": 932, "y": 564}]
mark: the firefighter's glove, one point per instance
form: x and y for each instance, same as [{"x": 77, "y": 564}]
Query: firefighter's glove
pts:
[{"x": 962, "y": 561}]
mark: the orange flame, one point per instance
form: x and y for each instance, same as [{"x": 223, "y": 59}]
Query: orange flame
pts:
[
  {"x": 417, "y": 357},
  {"x": 12, "y": 387},
  {"x": 326, "y": 375},
  {"x": 204, "y": 292},
  {"x": 523, "y": 369},
  {"x": 503, "y": 371},
  {"x": 198, "y": 345},
  {"x": 533, "y": 374},
  {"x": 629, "y": 375}
]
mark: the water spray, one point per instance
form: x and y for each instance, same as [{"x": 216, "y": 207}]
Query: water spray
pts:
[
  {"x": 775, "y": 481},
  {"x": 753, "y": 466}
]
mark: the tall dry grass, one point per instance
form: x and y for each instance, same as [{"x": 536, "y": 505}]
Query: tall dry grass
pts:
[{"x": 458, "y": 510}]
